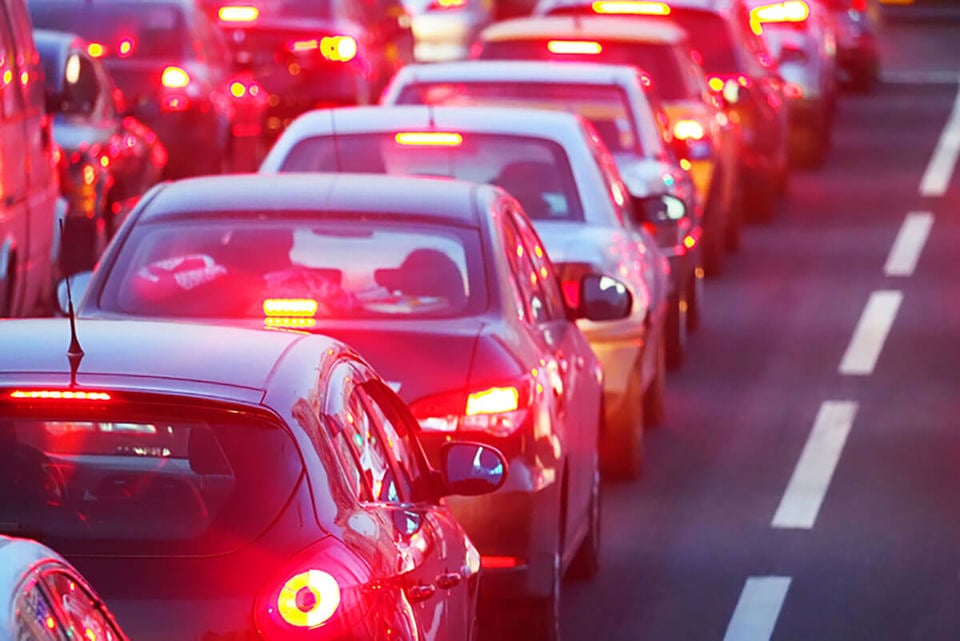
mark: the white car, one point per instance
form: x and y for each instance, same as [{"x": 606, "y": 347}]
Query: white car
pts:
[
  {"x": 613, "y": 99},
  {"x": 567, "y": 182},
  {"x": 444, "y": 29},
  {"x": 44, "y": 598}
]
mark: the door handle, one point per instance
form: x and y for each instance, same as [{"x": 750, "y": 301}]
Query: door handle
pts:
[
  {"x": 449, "y": 580},
  {"x": 421, "y": 592}
]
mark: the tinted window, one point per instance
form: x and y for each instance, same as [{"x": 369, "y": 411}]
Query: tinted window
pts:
[
  {"x": 537, "y": 172},
  {"x": 154, "y": 480},
  {"x": 607, "y": 107},
  {"x": 153, "y": 30},
  {"x": 355, "y": 269}
]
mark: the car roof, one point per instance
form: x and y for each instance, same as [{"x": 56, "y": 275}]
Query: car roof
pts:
[
  {"x": 440, "y": 198},
  {"x": 579, "y": 73},
  {"x": 637, "y": 28},
  {"x": 142, "y": 349}
]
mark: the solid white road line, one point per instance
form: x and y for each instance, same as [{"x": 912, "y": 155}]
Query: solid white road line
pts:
[
  {"x": 936, "y": 178},
  {"x": 871, "y": 332},
  {"x": 758, "y": 609},
  {"x": 808, "y": 486},
  {"x": 909, "y": 243}
]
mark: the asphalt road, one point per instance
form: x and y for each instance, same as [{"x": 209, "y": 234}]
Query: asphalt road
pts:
[{"x": 806, "y": 483}]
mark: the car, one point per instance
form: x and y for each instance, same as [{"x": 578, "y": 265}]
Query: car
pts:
[
  {"x": 858, "y": 60},
  {"x": 613, "y": 100},
  {"x": 445, "y": 287},
  {"x": 108, "y": 160},
  {"x": 29, "y": 251},
  {"x": 801, "y": 35},
  {"x": 267, "y": 483},
  {"x": 172, "y": 66},
  {"x": 566, "y": 180},
  {"x": 740, "y": 71},
  {"x": 318, "y": 53},
  {"x": 45, "y": 598},
  {"x": 445, "y": 30}
]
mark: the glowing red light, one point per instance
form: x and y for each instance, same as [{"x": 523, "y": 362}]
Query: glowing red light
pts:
[{"x": 499, "y": 562}]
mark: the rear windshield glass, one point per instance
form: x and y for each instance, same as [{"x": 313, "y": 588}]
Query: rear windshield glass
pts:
[
  {"x": 536, "y": 171},
  {"x": 606, "y": 107},
  {"x": 153, "y": 480},
  {"x": 342, "y": 268},
  {"x": 150, "y": 30},
  {"x": 293, "y": 8},
  {"x": 658, "y": 61}
]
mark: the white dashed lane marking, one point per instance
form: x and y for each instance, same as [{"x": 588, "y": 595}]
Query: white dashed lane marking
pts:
[
  {"x": 911, "y": 238},
  {"x": 758, "y": 609},
  {"x": 936, "y": 178},
  {"x": 871, "y": 333}
]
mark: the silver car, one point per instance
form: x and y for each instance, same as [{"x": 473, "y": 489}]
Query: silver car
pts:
[{"x": 567, "y": 182}]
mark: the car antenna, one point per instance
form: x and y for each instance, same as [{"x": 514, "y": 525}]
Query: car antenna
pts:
[{"x": 74, "y": 351}]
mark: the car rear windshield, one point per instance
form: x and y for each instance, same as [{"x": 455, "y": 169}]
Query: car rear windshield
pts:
[
  {"x": 349, "y": 267},
  {"x": 606, "y": 107},
  {"x": 131, "y": 480},
  {"x": 658, "y": 61},
  {"x": 536, "y": 171},
  {"x": 153, "y": 30}
]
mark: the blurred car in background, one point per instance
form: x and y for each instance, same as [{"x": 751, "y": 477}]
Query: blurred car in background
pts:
[
  {"x": 172, "y": 66},
  {"x": 613, "y": 99},
  {"x": 801, "y": 35},
  {"x": 314, "y": 54},
  {"x": 740, "y": 71},
  {"x": 108, "y": 160},
  {"x": 445, "y": 287},
  {"x": 269, "y": 484},
  {"x": 567, "y": 182},
  {"x": 444, "y": 30},
  {"x": 46, "y": 599},
  {"x": 858, "y": 60}
]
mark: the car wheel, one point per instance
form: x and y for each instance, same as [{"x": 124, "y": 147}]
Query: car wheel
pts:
[
  {"x": 623, "y": 448},
  {"x": 653, "y": 397},
  {"x": 539, "y": 619},
  {"x": 586, "y": 563},
  {"x": 676, "y": 333}
]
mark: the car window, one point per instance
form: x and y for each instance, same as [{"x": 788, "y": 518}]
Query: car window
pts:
[
  {"x": 341, "y": 379},
  {"x": 83, "y": 617},
  {"x": 710, "y": 36},
  {"x": 398, "y": 436},
  {"x": 524, "y": 273},
  {"x": 535, "y": 171},
  {"x": 82, "y": 92},
  {"x": 607, "y": 165},
  {"x": 12, "y": 98},
  {"x": 34, "y": 618},
  {"x": 547, "y": 277},
  {"x": 347, "y": 268}
]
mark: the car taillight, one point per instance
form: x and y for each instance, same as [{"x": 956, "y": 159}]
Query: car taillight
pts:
[
  {"x": 620, "y": 7},
  {"x": 58, "y": 395},
  {"x": 688, "y": 130},
  {"x": 285, "y": 307},
  {"x": 442, "y": 5},
  {"x": 498, "y": 410},
  {"x": 338, "y": 48},
  {"x": 789, "y": 11},
  {"x": 242, "y": 13},
  {"x": 719, "y": 81},
  {"x": 174, "y": 78},
  {"x": 325, "y": 586},
  {"x": 429, "y": 138},
  {"x": 96, "y": 50},
  {"x": 574, "y": 47}
]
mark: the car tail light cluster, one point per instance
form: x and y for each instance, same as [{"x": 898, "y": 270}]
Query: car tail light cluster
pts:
[
  {"x": 327, "y": 586},
  {"x": 794, "y": 11},
  {"x": 124, "y": 48},
  {"x": 238, "y": 13},
  {"x": 333, "y": 48},
  {"x": 499, "y": 410},
  {"x": 627, "y": 8},
  {"x": 694, "y": 138},
  {"x": 175, "y": 82},
  {"x": 575, "y": 47},
  {"x": 429, "y": 138},
  {"x": 443, "y": 5},
  {"x": 59, "y": 395}
]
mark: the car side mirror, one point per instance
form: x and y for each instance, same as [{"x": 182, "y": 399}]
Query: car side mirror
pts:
[
  {"x": 79, "y": 283},
  {"x": 470, "y": 469},
  {"x": 603, "y": 298}
]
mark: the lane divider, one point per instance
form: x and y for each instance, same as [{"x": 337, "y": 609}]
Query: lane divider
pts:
[
  {"x": 758, "y": 609},
  {"x": 807, "y": 488},
  {"x": 910, "y": 240},
  {"x": 871, "y": 333},
  {"x": 936, "y": 178}
]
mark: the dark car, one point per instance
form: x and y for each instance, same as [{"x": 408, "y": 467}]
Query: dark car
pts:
[
  {"x": 858, "y": 58},
  {"x": 234, "y": 484},
  {"x": 172, "y": 66},
  {"x": 445, "y": 287},
  {"x": 108, "y": 160},
  {"x": 316, "y": 53}
]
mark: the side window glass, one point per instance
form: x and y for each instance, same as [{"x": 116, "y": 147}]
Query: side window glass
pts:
[
  {"x": 12, "y": 98},
  {"x": 611, "y": 176},
  {"x": 341, "y": 379},
  {"x": 396, "y": 433},
  {"x": 528, "y": 280},
  {"x": 34, "y": 618},
  {"x": 81, "y": 86},
  {"x": 83, "y": 617},
  {"x": 28, "y": 68},
  {"x": 549, "y": 283}
]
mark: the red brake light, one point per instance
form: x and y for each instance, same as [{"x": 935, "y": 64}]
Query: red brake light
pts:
[
  {"x": 499, "y": 410},
  {"x": 625, "y": 7},
  {"x": 96, "y": 50},
  {"x": 72, "y": 395},
  {"x": 174, "y": 78},
  {"x": 582, "y": 47},
  {"x": 688, "y": 130},
  {"x": 309, "y": 599},
  {"x": 338, "y": 48},
  {"x": 238, "y": 14},
  {"x": 499, "y": 562},
  {"x": 493, "y": 400},
  {"x": 789, "y": 11},
  {"x": 429, "y": 138},
  {"x": 447, "y": 4},
  {"x": 125, "y": 47},
  {"x": 290, "y": 307}
]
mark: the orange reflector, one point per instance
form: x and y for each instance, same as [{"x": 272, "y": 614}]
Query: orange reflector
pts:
[
  {"x": 238, "y": 14},
  {"x": 309, "y": 599},
  {"x": 429, "y": 138},
  {"x": 499, "y": 562},
  {"x": 620, "y": 7},
  {"x": 280, "y": 307},
  {"x": 174, "y": 78},
  {"x": 60, "y": 395},
  {"x": 96, "y": 50},
  {"x": 688, "y": 130},
  {"x": 583, "y": 47},
  {"x": 493, "y": 401},
  {"x": 789, "y": 11}
]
